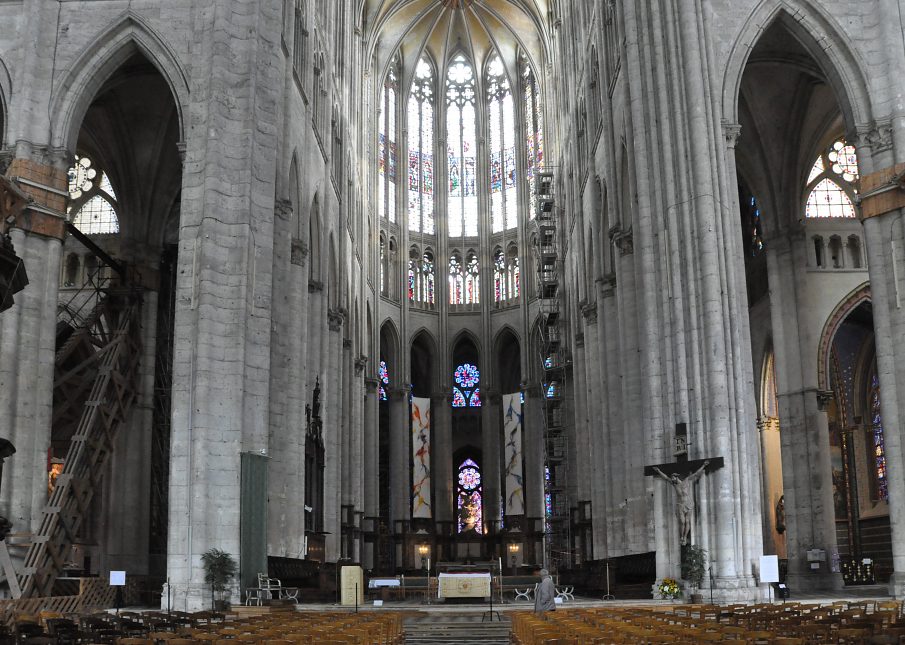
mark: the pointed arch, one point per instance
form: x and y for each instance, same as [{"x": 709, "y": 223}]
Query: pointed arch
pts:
[
  {"x": 507, "y": 366},
  {"x": 128, "y": 34},
  {"x": 296, "y": 228},
  {"x": 423, "y": 363},
  {"x": 6, "y": 89},
  {"x": 811, "y": 26},
  {"x": 314, "y": 239},
  {"x": 840, "y": 313}
]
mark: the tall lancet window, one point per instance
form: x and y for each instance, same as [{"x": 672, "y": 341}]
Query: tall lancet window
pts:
[
  {"x": 386, "y": 148},
  {"x": 470, "y": 498},
  {"x": 461, "y": 141},
  {"x": 501, "y": 128},
  {"x": 421, "y": 150},
  {"x": 534, "y": 128}
]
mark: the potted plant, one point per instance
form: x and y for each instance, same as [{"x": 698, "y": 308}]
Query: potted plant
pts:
[
  {"x": 219, "y": 570},
  {"x": 694, "y": 565}
]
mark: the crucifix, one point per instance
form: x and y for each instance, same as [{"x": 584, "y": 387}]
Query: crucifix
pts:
[{"x": 682, "y": 474}]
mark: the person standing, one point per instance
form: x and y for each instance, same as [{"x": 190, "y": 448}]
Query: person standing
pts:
[{"x": 546, "y": 592}]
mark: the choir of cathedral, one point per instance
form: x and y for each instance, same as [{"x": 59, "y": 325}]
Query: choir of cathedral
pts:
[{"x": 405, "y": 281}]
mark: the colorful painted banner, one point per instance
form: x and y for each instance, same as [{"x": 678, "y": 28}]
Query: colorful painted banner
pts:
[
  {"x": 512, "y": 434},
  {"x": 421, "y": 457}
]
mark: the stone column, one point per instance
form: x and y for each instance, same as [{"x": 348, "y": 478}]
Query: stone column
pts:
[
  {"x": 441, "y": 457},
  {"x": 371, "y": 453},
  {"x": 285, "y": 512},
  {"x": 884, "y": 230},
  {"x": 128, "y": 481},
  {"x": 347, "y": 416},
  {"x": 400, "y": 455},
  {"x": 28, "y": 337},
  {"x": 221, "y": 364},
  {"x": 491, "y": 440},
  {"x": 604, "y": 498},
  {"x": 534, "y": 453},
  {"x": 806, "y": 464},
  {"x": 333, "y": 448}
]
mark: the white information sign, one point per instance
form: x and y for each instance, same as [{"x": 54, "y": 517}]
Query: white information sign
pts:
[
  {"x": 769, "y": 568},
  {"x": 117, "y": 578}
]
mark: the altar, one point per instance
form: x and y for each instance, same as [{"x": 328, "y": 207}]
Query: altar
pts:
[{"x": 463, "y": 585}]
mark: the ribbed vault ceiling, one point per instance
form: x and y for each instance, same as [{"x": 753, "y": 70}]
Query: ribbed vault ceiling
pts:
[{"x": 443, "y": 28}]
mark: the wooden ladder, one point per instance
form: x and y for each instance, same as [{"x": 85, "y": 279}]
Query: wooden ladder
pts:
[{"x": 110, "y": 342}]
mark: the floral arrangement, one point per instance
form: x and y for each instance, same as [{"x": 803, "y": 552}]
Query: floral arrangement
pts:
[{"x": 669, "y": 588}]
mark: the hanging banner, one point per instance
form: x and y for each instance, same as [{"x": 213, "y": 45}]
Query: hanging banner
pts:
[
  {"x": 512, "y": 434},
  {"x": 421, "y": 457}
]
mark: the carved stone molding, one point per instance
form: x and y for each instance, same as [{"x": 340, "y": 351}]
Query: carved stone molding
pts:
[
  {"x": 731, "y": 131},
  {"x": 335, "y": 319},
  {"x": 298, "y": 253},
  {"x": 824, "y": 397},
  {"x": 347, "y": 343},
  {"x": 371, "y": 385},
  {"x": 876, "y": 135},
  {"x": 282, "y": 208},
  {"x": 315, "y": 286},
  {"x": 607, "y": 285},
  {"x": 589, "y": 311},
  {"x": 579, "y": 340},
  {"x": 623, "y": 240}
]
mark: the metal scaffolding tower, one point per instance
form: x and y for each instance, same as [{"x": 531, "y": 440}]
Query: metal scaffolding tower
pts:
[{"x": 557, "y": 529}]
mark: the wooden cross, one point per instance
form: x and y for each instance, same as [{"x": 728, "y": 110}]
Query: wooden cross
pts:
[{"x": 682, "y": 474}]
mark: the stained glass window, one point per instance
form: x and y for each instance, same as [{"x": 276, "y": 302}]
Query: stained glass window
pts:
[
  {"x": 93, "y": 207},
  {"x": 514, "y": 276},
  {"x": 506, "y": 275},
  {"x": 427, "y": 279},
  {"x": 466, "y": 392},
  {"x": 421, "y": 278},
  {"x": 456, "y": 281},
  {"x": 469, "y": 497},
  {"x": 461, "y": 141},
  {"x": 472, "y": 280},
  {"x": 548, "y": 501},
  {"x": 383, "y": 380},
  {"x": 386, "y": 148},
  {"x": 383, "y": 273},
  {"x": 499, "y": 276},
  {"x": 878, "y": 445},
  {"x": 501, "y": 127},
  {"x": 413, "y": 282},
  {"x": 832, "y": 182},
  {"x": 534, "y": 128},
  {"x": 421, "y": 150}
]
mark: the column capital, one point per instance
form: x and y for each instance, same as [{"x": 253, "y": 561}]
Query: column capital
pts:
[
  {"x": 360, "y": 363},
  {"x": 315, "y": 286},
  {"x": 335, "y": 319},
  {"x": 623, "y": 240},
  {"x": 589, "y": 311},
  {"x": 824, "y": 397},
  {"x": 298, "y": 253},
  {"x": 877, "y": 135},
  {"x": 731, "y": 131},
  {"x": 371, "y": 385},
  {"x": 282, "y": 208}
]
